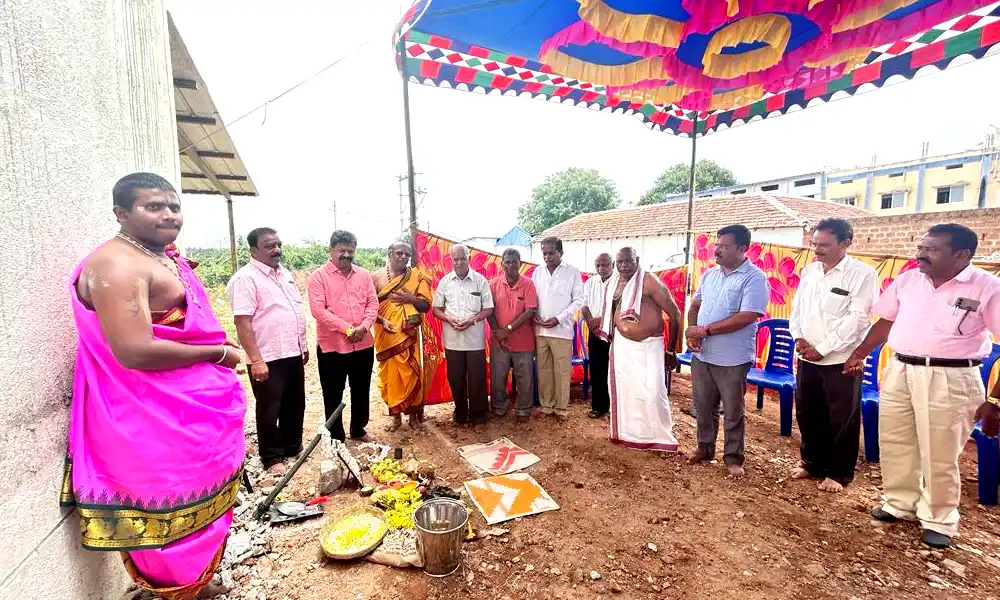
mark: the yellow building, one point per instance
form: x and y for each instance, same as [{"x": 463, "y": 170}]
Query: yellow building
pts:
[{"x": 961, "y": 181}]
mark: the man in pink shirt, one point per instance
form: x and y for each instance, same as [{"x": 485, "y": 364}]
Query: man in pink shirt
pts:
[
  {"x": 342, "y": 298},
  {"x": 937, "y": 320},
  {"x": 267, "y": 308}
]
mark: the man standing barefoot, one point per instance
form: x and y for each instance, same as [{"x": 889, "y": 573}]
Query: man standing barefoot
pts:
[
  {"x": 831, "y": 312},
  {"x": 722, "y": 333},
  {"x": 633, "y": 320}
]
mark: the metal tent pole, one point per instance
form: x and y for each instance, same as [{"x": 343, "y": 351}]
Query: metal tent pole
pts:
[
  {"x": 410, "y": 184},
  {"x": 691, "y": 186},
  {"x": 232, "y": 233}
]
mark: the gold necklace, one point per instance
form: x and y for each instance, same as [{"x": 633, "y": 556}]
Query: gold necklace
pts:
[{"x": 167, "y": 263}]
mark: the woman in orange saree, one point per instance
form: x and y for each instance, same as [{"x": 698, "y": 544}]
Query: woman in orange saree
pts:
[{"x": 404, "y": 295}]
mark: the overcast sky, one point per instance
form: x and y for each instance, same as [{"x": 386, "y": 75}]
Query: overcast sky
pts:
[{"x": 339, "y": 138}]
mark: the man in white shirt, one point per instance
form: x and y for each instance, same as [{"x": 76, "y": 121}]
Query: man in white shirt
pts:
[
  {"x": 463, "y": 301},
  {"x": 831, "y": 313},
  {"x": 560, "y": 297},
  {"x": 598, "y": 350}
]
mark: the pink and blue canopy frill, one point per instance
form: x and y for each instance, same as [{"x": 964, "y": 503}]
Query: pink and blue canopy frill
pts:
[{"x": 687, "y": 64}]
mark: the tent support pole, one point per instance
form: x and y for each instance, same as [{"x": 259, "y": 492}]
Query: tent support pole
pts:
[
  {"x": 232, "y": 233},
  {"x": 410, "y": 184},
  {"x": 691, "y": 186}
]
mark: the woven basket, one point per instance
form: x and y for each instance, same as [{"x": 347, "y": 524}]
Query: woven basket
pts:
[{"x": 333, "y": 553}]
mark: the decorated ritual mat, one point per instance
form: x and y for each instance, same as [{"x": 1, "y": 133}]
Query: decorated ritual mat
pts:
[
  {"x": 498, "y": 457},
  {"x": 506, "y": 497}
]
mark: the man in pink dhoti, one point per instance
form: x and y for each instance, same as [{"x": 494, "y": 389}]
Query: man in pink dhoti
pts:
[
  {"x": 156, "y": 441},
  {"x": 633, "y": 321}
]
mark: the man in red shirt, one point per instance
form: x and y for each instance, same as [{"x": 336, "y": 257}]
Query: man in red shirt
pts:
[
  {"x": 342, "y": 298},
  {"x": 513, "y": 337}
]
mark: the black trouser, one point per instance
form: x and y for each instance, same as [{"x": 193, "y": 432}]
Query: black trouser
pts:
[
  {"x": 467, "y": 380},
  {"x": 281, "y": 407},
  {"x": 335, "y": 370},
  {"x": 828, "y": 411},
  {"x": 598, "y": 350}
]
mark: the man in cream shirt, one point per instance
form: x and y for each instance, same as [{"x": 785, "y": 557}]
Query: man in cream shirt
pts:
[
  {"x": 831, "y": 313},
  {"x": 560, "y": 297}
]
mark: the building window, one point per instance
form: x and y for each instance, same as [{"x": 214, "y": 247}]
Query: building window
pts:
[
  {"x": 893, "y": 200},
  {"x": 769, "y": 188},
  {"x": 850, "y": 201},
  {"x": 950, "y": 167},
  {"x": 811, "y": 196},
  {"x": 951, "y": 194},
  {"x": 737, "y": 192},
  {"x": 804, "y": 182},
  {"x": 847, "y": 181},
  {"x": 900, "y": 174}
]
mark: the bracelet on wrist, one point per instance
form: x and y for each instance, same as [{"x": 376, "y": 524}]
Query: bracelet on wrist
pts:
[{"x": 225, "y": 354}]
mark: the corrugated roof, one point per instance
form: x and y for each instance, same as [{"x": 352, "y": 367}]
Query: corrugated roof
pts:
[
  {"x": 756, "y": 211},
  {"x": 210, "y": 163}
]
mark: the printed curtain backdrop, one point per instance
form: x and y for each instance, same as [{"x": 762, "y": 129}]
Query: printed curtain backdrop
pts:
[
  {"x": 783, "y": 266},
  {"x": 434, "y": 259}
]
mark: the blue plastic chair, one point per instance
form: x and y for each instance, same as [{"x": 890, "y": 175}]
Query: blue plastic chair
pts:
[
  {"x": 869, "y": 404},
  {"x": 988, "y": 448},
  {"x": 581, "y": 359},
  {"x": 777, "y": 373}
]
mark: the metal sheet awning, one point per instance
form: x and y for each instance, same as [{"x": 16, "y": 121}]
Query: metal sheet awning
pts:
[{"x": 209, "y": 161}]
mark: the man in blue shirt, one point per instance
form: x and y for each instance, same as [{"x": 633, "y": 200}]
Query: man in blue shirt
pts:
[{"x": 731, "y": 298}]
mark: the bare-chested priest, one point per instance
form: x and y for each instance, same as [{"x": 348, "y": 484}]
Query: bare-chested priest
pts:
[
  {"x": 640, "y": 410},
  {"x": 156, "y": 441}
]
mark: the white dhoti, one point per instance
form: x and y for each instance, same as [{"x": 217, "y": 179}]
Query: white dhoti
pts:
[{"x": 640, "y": 409}]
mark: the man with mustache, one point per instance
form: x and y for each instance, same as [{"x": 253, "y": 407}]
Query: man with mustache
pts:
[
  {"x": 938, "y": 321},
  {"x": 156, "y": 443},
  {"x": 343, "y": 300},
  {"x": 267, "y": 308},
  {"x": 831, "y": 312},
  {"x": 722, "y": 334}
]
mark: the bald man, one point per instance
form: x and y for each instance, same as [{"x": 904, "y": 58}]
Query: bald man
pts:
[
  {"x": 598, "y": 350},
  {"x": 633, "y": 321}
]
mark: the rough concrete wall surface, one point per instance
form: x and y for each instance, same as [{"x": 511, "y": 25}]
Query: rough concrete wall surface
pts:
[
  {"x": 86, "y": 96},
  {"x": 900, "y": 234}
]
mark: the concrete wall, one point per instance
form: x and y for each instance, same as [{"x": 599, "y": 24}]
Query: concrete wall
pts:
[
  {"x": 654, "y": 252},
  {"x": 85, "y": 97},
  {"x": 900, "y": 234}
]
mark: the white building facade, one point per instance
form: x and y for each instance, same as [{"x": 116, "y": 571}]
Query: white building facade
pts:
[{"x": 86, "y": 95}]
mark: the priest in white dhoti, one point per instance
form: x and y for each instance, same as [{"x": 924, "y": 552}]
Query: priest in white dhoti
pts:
[{"x": 633, "y": 321}]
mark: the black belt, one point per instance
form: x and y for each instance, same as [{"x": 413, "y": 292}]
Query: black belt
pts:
[{"x": 938, "y": 362}]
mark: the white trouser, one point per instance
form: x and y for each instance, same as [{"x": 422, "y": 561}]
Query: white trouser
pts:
[{"x": 925, "y": 418}]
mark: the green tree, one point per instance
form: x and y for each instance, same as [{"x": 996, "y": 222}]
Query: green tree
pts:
[
  {"x": 676, "y": 180},
  {"x": 564, "y": 195}
]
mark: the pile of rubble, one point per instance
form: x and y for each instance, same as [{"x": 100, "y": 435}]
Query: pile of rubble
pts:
[{"x": 249, "y": 540}]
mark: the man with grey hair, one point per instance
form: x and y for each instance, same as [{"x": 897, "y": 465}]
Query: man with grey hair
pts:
[
  {"x": 513, "y": 336},
  {"x": 462, "y": 302},
  {"x": 598, "y": 350}
]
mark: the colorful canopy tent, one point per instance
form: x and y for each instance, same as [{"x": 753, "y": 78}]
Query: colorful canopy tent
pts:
[{"x": 688, "y": 67}]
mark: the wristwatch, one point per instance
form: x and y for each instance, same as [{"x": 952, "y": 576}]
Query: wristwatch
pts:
[
  {"x": 708, "y": 329},
  {"x": 510, "y": 327}
]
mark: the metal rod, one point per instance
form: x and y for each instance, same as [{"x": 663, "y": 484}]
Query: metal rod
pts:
[
  {"x": 266, "y": 504},
  {"x": 410, "y": 185},
  {"x": 232, "y": 234},
  {"x": 691, "y": 184}
]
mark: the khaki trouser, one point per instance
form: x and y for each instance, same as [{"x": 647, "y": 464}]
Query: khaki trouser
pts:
[
  {"x": 554, "y": 357},
  {"x": 925, "y": 418}
]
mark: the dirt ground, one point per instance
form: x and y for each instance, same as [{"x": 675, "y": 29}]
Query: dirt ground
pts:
[{"x": 760, "y": 538}]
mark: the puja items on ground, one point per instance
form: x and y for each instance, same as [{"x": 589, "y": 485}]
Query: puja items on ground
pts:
[
  {"x": 399, "y": 549},
  {"x": 353, "y": 533},
  {"x": 399, "y": 500}
]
